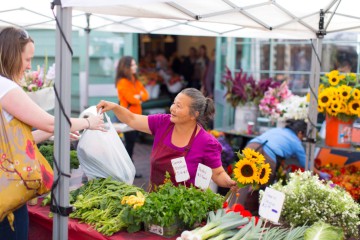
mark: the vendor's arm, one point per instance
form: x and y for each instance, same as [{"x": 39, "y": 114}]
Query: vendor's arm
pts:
[
  {"x": 301, "y": 156},
  {"x": 17, "y": 103},
  {"x": 221, "y": 178},
  {"x": 135, "y": 121}
]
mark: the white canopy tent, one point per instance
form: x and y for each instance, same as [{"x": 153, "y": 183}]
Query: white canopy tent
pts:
[
  {"x": 305, "y": 19},
  {"x": 290, "y": 19}
]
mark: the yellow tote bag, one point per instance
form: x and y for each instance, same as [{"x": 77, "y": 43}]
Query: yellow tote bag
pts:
[{"x": 24, "y": 172}]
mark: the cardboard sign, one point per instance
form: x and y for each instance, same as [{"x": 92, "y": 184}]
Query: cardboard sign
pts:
[
  {"x": 271, "y": 204},
  {"x": 180, "y": 169},
  {"x": 203, "y": 176}
]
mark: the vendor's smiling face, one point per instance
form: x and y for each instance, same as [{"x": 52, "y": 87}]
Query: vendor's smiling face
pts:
[{"x": 180, "y": 109}]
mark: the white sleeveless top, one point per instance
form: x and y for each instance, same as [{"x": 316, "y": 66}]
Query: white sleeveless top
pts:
[{"x": 7, "y": 85}]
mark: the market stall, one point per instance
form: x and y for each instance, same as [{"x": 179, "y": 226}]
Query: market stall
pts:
[{"x": 41, "y": 226}]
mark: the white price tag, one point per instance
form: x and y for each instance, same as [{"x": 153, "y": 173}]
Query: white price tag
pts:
[
  {"x": 156, "y": 229},
  {"x": 180, "y": 169},
  {"x": 271, "y": 204},
  {"x": 203, "y": 176}
]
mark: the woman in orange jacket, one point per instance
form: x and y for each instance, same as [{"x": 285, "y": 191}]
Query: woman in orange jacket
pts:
[{"x": 131, "y": 93}]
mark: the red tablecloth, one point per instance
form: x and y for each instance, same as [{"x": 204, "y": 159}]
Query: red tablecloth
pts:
[{"x": 41, "y": 228}]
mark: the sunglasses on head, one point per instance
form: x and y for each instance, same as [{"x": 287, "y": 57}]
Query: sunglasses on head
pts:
[{"x": 24, "y": 34}]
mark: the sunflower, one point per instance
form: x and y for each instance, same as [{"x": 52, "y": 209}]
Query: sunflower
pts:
[
  {"x": 334, "y": 77},
  {"x": 253, "y": 155},
  {"x": 324, "y": 99},
  {"x": 356, "y": 94},
  {"x": 264, "y": 173},
  {"x": 336, "y": 106},
  {"x": 245, "y": 171},
  {"x": 343, "y": 108},
  {"x": 331, "y": 111},
  {"x": 320, "y": 109},
  {"x": 344, "y": 92},
  {"x": 353, "y": 106}
]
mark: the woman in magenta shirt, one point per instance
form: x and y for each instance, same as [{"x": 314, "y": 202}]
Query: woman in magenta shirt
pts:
[{"x": 179, "y": 134}]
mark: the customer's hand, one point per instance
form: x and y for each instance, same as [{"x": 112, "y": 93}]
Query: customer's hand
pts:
[
  {"x": 324, "y": 175},
  {"x": 97, "y": 122},
  {"x": 105, "y": 106}
]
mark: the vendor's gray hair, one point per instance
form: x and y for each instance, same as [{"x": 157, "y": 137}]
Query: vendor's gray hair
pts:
[{"x": 201, "y": 104}]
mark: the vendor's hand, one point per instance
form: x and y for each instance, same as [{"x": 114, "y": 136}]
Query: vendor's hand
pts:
[
  {"x": 324, "y": 175},
  {"x": 105, "y": 106},
  {"x": 97, "y": 122},
  {"x": 232, "y": 185}
]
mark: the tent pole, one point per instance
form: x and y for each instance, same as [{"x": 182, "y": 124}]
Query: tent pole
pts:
[
  {"x": 313, "y": 112},
  {"x": 62, "y": 128},
  {"x": 84, "y": 77}
]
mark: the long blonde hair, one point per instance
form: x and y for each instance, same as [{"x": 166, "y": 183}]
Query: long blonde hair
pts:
[{"x": 12, "y": 44}]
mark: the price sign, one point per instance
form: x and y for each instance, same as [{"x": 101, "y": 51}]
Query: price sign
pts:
[
  {"x": 203, "y": 176},
  {"x": 180, "y": 169},
  {"x": 271, "y": 204},
  {"x": 156, "y": 229}
]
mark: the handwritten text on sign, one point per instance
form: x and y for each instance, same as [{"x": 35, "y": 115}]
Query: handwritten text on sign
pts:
[
  {"x": 180, "y": 169},
  {"x": 271, "y": 204},
  {"x": 203, "y": 176}
]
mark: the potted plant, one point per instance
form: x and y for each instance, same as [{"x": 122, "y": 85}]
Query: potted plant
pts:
[
  {"x": 244, "y": 93},
  {"x": 339, "y": 99}
]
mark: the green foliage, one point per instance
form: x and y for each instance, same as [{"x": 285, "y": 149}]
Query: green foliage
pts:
[
  {"x": 309, "y": 200},
  {"x": 48, "y": 152},
  {"x": 98, "y": 203},
  {"x": 170, "y": 204}
]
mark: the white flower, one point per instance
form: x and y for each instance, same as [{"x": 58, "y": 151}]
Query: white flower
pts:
[{"x": 51, "y": 73}]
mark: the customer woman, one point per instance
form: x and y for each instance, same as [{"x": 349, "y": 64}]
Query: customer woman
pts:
[
  {"x": 16, "y": 52},
  {"x": 179, "y": 134},
  {"x": 131, "y": 93}
]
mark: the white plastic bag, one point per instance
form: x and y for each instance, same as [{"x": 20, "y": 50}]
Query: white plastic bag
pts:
[{"x": 102, "y": 154}]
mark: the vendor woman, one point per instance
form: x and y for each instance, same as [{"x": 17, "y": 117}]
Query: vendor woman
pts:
[{"x": 179, "y": 134}]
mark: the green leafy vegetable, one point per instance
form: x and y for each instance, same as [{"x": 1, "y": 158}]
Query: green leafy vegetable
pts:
[{"x": 323, "y": 231}]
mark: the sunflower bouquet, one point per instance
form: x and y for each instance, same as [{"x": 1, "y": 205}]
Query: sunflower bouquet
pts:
[
  {"x": 251, "y": 169},
  {"x": 339, "y": 96}
]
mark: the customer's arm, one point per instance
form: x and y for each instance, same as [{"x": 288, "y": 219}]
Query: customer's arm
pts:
[{"x": 17, "y": 103}]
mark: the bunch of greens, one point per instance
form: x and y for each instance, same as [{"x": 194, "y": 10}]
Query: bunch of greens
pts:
[
  {"x": 171, "y": 204},
  {"x": 48, "y": 152},
  {"x": 98, "y": 203},
  {"x": 309, "y": 200}
]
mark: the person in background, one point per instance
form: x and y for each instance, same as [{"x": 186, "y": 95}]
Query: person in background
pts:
[
  {"x": 188, "y": 65},
  {"x": 210, "y": 76},
  {"x": 279, "y": 144},
  {"x": 16, "y": 52},
  {"x": 179, "y": 134},
  {"x": 131, "y": 93},
  {"x": 202, "y": 62}
]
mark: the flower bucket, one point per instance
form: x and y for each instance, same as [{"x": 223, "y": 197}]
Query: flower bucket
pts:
[
  {"x": 338, "y": 132},
  {"x": 243, "y": 115},
  {"x": 44, "y": 97}
]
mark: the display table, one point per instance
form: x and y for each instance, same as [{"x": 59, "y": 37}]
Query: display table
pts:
[{"x": 41, "y": 228}]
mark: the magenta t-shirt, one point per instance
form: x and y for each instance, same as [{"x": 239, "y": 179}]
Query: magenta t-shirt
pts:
[{"x": 205, "y": 148}]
